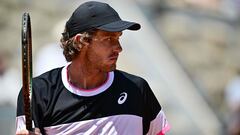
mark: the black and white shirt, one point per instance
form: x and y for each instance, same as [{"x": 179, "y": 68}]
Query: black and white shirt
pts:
[{"x": 123, "y": 105}]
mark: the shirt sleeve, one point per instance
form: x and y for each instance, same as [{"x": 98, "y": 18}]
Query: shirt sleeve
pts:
[
  {"x": 20, "y": 119},
  {"x": 154, "y": 119},
  {"x": 36, "y": 113},
  {"x": 159, "y": 126}
]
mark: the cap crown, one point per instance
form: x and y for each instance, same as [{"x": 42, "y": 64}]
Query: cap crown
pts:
[{"x": 90, "y": 15}]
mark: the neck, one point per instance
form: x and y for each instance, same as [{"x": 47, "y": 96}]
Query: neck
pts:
[{"x": 85, "y": 77}]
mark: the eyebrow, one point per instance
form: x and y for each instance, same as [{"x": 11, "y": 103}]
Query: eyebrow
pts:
[
  {"x": 113, "y": 34},
  {"x": 116, "y": 34},
  {"x": 120, "y": 33}
]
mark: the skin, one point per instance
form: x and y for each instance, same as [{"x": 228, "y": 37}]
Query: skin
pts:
[
  {"x": 97, "y": 57},
  {"x": 90, "y": 68},
  {"x": 26, "y": 132}
]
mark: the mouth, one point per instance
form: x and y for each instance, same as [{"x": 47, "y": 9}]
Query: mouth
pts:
[{"x": 113, "y": 57}]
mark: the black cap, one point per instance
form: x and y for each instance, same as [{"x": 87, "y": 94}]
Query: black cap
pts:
[{"x": 92, "y": 14}]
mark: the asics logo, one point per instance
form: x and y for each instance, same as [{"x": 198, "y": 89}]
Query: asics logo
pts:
[{"x": 122, "y": 98}]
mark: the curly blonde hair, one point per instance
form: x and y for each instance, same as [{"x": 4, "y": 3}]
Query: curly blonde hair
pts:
[{"x": 71, "y": 47}]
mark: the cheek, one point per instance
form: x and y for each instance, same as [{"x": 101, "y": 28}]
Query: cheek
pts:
[
  {"x": 92, "y": 56},
  {"x": 96, "y": 55},
  {"x": 101, "y": 61},
  {"x": 99, "y": 53}
]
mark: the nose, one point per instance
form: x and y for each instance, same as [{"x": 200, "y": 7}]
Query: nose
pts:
[{"x": 117, "y": 47}]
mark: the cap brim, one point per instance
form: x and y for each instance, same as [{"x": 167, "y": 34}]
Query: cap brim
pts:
[{"x": 120, "y": 26}]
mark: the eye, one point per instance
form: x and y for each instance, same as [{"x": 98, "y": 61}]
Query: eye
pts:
[
  {"x": 110, "y": 39},
  {"x": 106, "y": 39}
]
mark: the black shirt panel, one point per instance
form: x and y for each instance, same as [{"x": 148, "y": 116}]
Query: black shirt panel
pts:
[{"x": 53, "y": 104}]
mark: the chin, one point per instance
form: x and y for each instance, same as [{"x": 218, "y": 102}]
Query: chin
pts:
[
  {"x": 110, "y": 68},
  {"x": 113, "y": 68}
]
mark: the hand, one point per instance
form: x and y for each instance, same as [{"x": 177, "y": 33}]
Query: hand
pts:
[{"x": 26, "y": 132}]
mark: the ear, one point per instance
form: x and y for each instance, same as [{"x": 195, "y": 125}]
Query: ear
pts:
[
  {"x": 77, "y": 37},
  {"x": 80, "y": 39}
]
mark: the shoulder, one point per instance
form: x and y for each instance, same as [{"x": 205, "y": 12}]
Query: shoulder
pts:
[
  {"x": 49, "y": 78},
  {"x": 45, "y": 86},
  {"x": 124, "y": 76},
  {"x": 49, "y": 75}
]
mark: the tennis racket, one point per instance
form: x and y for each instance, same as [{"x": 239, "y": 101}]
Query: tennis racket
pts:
[{"x": 27, "y": 68}]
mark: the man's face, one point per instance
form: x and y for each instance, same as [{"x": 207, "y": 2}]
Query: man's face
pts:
[{"x": 104, "y": 49}]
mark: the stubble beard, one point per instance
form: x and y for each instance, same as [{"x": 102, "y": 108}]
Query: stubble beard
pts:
[{"x": 109, "y": 68}]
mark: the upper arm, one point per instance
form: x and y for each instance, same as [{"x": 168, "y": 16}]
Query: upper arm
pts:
[{"x": 154, "y": 119}]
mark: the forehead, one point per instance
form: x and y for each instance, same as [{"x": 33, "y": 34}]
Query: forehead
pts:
[{"x": 107, "y": 33}]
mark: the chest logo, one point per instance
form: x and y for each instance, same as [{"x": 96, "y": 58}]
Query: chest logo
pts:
[{"x": 122, "y": 98}]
